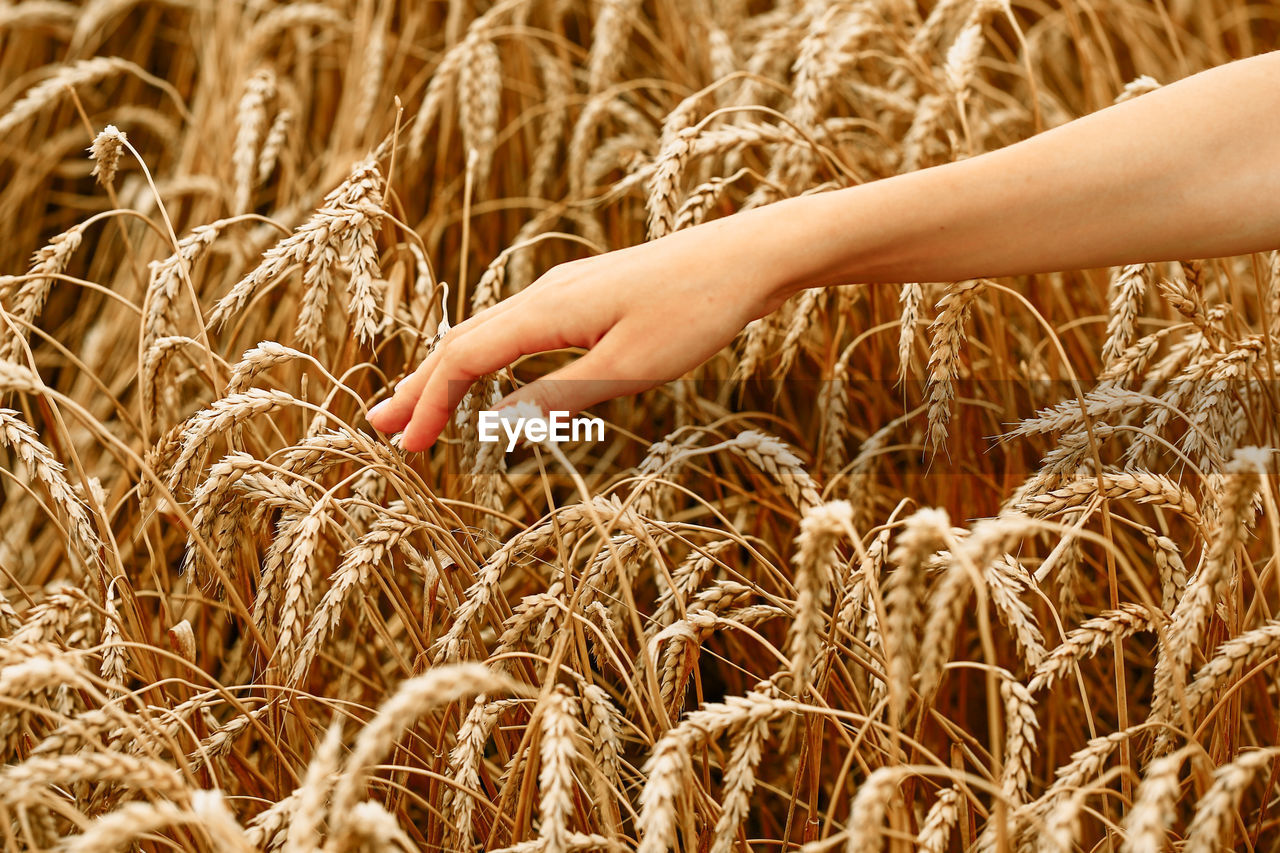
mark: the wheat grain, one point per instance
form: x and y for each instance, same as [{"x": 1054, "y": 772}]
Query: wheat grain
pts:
[
  {"x": 687, "y": 577},
  {"x": 114, "y": 830},
  {"x": 555, "y": 774},
  {"x": 670, "y": 761},
  {"x": 604, "y": 725},
  {"x": 870, "y": 807},
  {"x": 1144, "y": 487},
  {"x": 82, "y": 73},
  {"x": 318, "y": 246},
  {"x": 35, "y": 13},
  {"x": 1087, "y": 640},
  {"x": 1071, "y": 778},
  {"x": 449, "y": 647},
  {"x": 535, "y": 610},
  {"x": 987, "y": 541},
  {"x": 664, "y": 184},
  {"x": 307, "y": 814},
  {"x": 1146, "y": 824},
  {"x": 464, "y": 762},
  {"x": 774, "y": 457},
  {"x": 1020, "y": 739},
  {"x": 918, "y": 144},
  {"x": 802, "y": 315},
  {"x": 1169, "y": 565},
  {"x": 274, "y": 143},
  {"x": 947, "y": 336},
  {"x": 251, "y": 117},
  {"x": 373, "y": 71},
  {"x": 47, "y": 263},
  {"x": 740, "y": 781},
  {"x": 821, "y": 528},
  {"x": 1006, "y": 581},
  {"x": 1213, "y": 824},
  {"x": 923, "y": 533},
  {"x": 557, "y": 90},
  {"x": 479, "y": 88},
  {"x": 303, "y": 539},
  {"x": 1230, "y": 661},
  {"x": 1102, "y": 403},
  {"x": 115, "y": 664},
  {"x": 685, "y": 637},
  {"x": 833, "y": 404},
  {"x": 25, "y": 782},
  {"x": 1128, "y": 288},
  {"x": 1192, "y": 614},
  {"x": 412, "y": 698},
  {"x": 351, "y": 576},
  {"x": 39, "y": 460},
  {"x": 105, "y": 152},
  {"x": 1208, "y": 437},
  {"x": 702, "y": 199},
  {"x": 378, "y": 829},
  {"x": 962, "y": 57},
  {"x": 909, "y": 298},
  {"x": 612, "y": 29},
  {"x": 284, "y": 18},
  {"x": 938, "y": 823},
  {"x": 220, "y": 417}
]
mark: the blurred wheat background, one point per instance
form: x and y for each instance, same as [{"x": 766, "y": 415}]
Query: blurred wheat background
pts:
[{"x": 982, "y": 565}]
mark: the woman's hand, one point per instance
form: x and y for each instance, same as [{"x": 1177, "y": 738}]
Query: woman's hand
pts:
[
  {"x": 646, "y": 314},
  {"x": 1187, "y": 171}
]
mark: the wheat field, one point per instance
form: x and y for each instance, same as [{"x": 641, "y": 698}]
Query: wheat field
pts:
[{"x": 941, "y": 566}]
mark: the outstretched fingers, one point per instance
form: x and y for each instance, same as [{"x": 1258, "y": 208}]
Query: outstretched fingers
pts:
[
  {"x": 394, "y": 413},
  {"x": 457, "y": 363}
]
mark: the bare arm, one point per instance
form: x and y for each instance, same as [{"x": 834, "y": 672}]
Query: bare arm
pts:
[{"x": 1188, "y": 171}]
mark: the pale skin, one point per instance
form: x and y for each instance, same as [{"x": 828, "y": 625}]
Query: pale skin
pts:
[{"x": 1191, "y": 170}]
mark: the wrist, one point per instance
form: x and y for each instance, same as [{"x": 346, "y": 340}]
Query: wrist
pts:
[{"x": 805, "y": 242}]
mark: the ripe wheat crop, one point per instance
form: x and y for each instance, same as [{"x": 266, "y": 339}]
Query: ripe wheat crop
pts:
[{"x": 914, "y": 566}]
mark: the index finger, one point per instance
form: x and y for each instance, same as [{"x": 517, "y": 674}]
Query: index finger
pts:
[{"x": 488, "y": 347}]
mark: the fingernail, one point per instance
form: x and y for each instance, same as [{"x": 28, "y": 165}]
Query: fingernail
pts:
[
  {"x": 400, "y": 384},
  {"x": 373, "y": 413}
]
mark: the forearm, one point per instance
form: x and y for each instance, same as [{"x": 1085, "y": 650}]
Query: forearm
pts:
[
  {"x": 1185, "y": 172},
  {"x": 1188, "y": 171}
]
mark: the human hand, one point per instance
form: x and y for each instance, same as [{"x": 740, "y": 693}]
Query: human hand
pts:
[{"x": 645, "y": 314}]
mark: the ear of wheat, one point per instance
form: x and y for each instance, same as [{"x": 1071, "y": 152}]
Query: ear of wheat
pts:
[{"x": 1003, "y": 580}]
